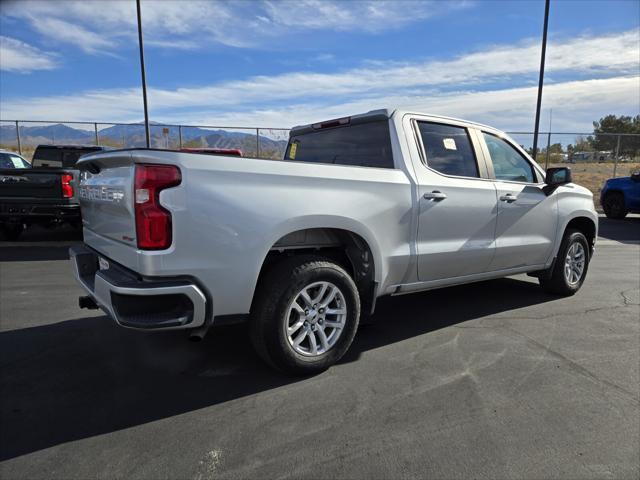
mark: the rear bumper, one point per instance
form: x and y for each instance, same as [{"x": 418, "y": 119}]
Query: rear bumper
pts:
[
  {"x": 134, "y": 302},
  {"x": 38, "y": 212}
]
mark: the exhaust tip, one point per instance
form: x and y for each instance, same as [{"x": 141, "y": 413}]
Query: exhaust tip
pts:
[{"x": 197, "y": 334}]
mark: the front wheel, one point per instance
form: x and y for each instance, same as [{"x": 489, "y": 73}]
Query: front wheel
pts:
[
  {"x": 570, "y": 268},
  {"x": 305, "y": 315}
]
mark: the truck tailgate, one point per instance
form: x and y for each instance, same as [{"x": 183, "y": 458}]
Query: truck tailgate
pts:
[
  {"x": 106, "y": 197},
  {"x": 30, "y": 183}
]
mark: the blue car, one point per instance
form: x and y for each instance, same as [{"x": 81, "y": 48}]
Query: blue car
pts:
[{"x": 620, "y": 196}]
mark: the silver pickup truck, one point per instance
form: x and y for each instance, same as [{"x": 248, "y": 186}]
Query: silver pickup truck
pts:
[{"x": 383, "y": 203}]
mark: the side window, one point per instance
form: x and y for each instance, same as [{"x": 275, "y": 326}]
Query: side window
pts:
[
  {"x": 448, "y": 149},
  {"x": 508, "y": 163}
]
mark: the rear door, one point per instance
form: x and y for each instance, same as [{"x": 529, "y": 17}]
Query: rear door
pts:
[
  {"x": 457, "y": 203},
  {"x": 527, "y": 217}
]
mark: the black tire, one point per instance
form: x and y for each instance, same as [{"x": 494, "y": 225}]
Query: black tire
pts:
[
  {"x": 12, "y": 231},
  {"x": 557, "y": 283},
  {"x": 270, "y": 313},
  {"x": 614, "y": 206}
]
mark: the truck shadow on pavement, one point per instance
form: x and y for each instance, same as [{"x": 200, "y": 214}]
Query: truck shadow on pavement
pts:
[
  {"x": 626, "y": 230},
  {"x": 84, "y": 377},
  {"x": 38, "y": 243}
]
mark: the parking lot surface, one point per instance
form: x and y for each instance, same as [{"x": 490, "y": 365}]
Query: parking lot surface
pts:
[{"x": 489, "y": 380}]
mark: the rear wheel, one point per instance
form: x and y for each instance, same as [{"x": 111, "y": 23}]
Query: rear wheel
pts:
[
  {"x": 614, "y": 206},
  {"x": 570, "y": 268},
  {"x": 305, "y": 315}
]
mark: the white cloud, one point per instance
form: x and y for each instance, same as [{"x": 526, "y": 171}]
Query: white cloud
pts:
[
  {"x": 582, "y": 55},
  {"x": 575, "y": 105},
  {"x": 188, "y": 24},
  {"x": 17, "y": 56},
  {"x": 426, "y": 85},
  {"x": 361, "y": 15},
  {"x": 72, "y": 33}
]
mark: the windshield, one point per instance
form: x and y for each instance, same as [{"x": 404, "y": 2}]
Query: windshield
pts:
[{"x": 12, "y": 160}]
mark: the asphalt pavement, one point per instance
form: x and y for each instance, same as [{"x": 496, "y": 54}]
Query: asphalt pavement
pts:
[{"x": 489, "y": 380}]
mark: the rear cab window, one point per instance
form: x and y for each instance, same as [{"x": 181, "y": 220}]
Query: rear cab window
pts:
[
  {"x": 363, "y": 144},
  {"x": 46, "y": 156}
]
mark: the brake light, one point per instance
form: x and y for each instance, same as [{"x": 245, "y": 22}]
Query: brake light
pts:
[
  {"x": 338, "y": 122},
  {"x": 65, "y": 183},
  {"x": 153, "y": 222}
]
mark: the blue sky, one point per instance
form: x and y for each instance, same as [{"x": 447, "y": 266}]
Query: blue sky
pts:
[{"x": 269, "y": 63}]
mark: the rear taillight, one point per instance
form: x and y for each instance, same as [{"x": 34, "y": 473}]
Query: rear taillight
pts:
[
  {"x": 65, "y": 182},
  {"x": 153, "y": 222}
]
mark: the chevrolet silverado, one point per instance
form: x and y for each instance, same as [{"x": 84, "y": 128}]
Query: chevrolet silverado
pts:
[{"x": 384, "y": 203}]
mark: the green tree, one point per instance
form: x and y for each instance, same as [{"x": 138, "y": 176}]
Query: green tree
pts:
[
  {"x": 617, "y": 124},
  {"x": 555, "y": 148},
  {"x": 583, "y": 144}
]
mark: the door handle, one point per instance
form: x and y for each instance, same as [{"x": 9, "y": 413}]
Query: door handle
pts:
[
  {"x": 435, "y": 195},
  {"x": 509, "y": 198}
]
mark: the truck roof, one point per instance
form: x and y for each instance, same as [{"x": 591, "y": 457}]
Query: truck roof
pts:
[{"x": 372, "y": 115}]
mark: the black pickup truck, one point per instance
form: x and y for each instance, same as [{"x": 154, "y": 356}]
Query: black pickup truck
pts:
[{"x": 45, "y": 193}]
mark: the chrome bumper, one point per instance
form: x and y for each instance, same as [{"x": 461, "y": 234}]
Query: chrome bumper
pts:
[{"x": 138, "y": 303}]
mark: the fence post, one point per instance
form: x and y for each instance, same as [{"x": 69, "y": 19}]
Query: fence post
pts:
[
  {"x": 95, "y": 128},
  {"x": 615, "y": 163},
  {"x": 18, "y": 138},
  {"x": 257, "y": 143},
  {"x": 546, "y": 161},
  {"x": 180, "y": 136}
]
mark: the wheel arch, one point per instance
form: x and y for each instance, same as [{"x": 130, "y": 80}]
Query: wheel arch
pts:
[
  {"x": 352, "y": 248},
  {"x": 609, "y": 191},
  {"x": 587, "y": 226}
]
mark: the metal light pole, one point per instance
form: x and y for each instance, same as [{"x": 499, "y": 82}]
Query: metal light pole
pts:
[
  {"x": 541, "y": 79},
  {"x": 144, "y": 77}
]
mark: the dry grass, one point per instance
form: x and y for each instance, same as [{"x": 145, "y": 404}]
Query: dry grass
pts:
[{"x": 593, "y": 175}]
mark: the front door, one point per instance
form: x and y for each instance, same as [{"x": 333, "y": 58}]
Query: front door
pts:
[{"x": 527, "y": 217}]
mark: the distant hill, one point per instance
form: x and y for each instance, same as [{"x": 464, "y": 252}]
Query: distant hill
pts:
[{"x": 134, "y": 136}]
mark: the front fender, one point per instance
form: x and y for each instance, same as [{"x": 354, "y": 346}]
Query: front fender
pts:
[{"x": 573, "y": 202}]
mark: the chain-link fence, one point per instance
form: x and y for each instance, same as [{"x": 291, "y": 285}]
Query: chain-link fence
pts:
[
  {"x": 593, "y": 157},
  {"x": 24, "y": 136}
]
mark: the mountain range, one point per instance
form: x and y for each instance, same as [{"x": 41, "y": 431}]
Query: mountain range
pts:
[{"x": 134, "y": 136}]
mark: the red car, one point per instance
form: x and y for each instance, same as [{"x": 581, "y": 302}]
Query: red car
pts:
[{"x": 233, "y": 152}]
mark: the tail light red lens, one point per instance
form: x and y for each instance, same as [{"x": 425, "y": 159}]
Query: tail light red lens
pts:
[
  {"x": 65, "y": 182},
  {"x": 153, "y": 222}
]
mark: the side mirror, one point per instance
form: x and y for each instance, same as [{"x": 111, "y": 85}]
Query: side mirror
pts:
[
  {"x": 558, "y": 176},
  {"x": 635, "y": 176}
]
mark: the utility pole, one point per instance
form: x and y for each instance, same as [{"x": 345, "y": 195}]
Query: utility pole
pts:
[
  {"x": 144, "y": 77},
  {"x": 546, "y": 161},
  {"x": 541, "y": 78}
]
